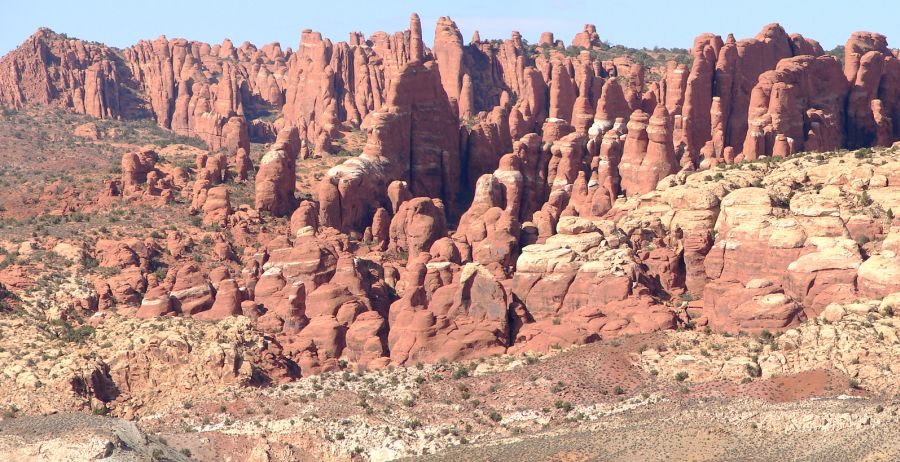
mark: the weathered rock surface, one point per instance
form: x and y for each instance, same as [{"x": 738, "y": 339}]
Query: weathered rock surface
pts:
[
  {"x": 508, "y": 197},
  {"x": 276, "y": 179}
]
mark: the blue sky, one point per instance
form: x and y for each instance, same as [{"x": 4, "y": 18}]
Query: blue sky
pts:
[{"x": 650, "y": 22}]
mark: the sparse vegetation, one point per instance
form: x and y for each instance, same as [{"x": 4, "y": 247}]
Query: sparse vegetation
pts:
[
  {"x": 864, "y": 199},
  {"x": 69, "y": 333},
  {"x": 753, "y": 370},
  {"x": 460, "y": 372},
  {"x": 414, "y": 424},
  {"x": 506, "y": 395}
]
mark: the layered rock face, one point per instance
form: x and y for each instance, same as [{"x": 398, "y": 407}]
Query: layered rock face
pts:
[
  {"x": 580, "y": 284},
  {"x": 775, "y": 263}
]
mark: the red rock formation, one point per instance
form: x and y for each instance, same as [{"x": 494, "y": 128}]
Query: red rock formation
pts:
[
  {"x": 858, "y": 45},
  {"x": 582, "y": 114},
  {"x": 448, "y": 52},
  {"x": 418, "y": 223},
  {"x": 801, "y": 91},
  {"x": 310, "y": 96},
  {"x": 546, "y": 39},
  {"x": 698, "y": 96},
  {"x": 206, "y": 91},
  {"x": 227, "y": 302},
  {"x": 872, "y": 71},
  {"x": 568, "y": 159},
  {"x": 648, "y": 155},
  {"x": 416, "y": 46},
  {"x": 738, "y": 66},
  {"x": 611, "y": 105},
  {"x": 306, "y": 215},
  {"x": 546, "y": 251},
  {"x": 588, "y": 297},
  {"x": 183, "y": 98},
  {"x": 242, "y": 164},
  {"x": 769, "y": 271},
  {"x": 191, "y": 292},
  {"x": 633, "y": 82},
  {"x": 217, "y": 206},
  {"x": 414, "y": 138},
  {"x": 485, "y": 143},
  {"x": 562, "y": 93},
  {"x": 466, "y": 98},
  {"x": 275, "y": 181},
  {"x": 135, "y": 168},
  {"x": 156, "y": 302},
  {"x": 51, "y": 69},
  {"x": 488, "y": 233},
  {"x": 464, "y": 319},
  {"x": 675, "y": 86},
  {"x": 605, "y": 176},
  {"x": 587, "y": 38}
]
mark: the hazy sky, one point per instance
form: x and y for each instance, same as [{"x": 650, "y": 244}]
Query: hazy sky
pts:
[{"x": 668, "y": 23}]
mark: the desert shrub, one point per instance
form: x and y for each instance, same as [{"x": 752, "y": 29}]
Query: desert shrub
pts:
[
  {"x": 864, "y": 199},
  {"x": 72, "y": 334},
  {"x": 753, "y": 370},
  {"x": 564, "y": 406},
  {"x": 413, "y": 424},
  {"x": 863, "y": 153}
]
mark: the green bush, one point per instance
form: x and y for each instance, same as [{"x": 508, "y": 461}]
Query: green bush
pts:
[
  {"x": 413, "y": 424},
  {"x": 564, "y": 406},
  {"x": 864, "y": 199},
  {"x": 753, "y": 370},
  {"x": 71, "y": 334}
]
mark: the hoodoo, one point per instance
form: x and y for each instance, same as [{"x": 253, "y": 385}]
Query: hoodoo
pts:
[{"x": 192, "y": 234}]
